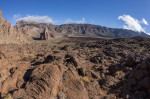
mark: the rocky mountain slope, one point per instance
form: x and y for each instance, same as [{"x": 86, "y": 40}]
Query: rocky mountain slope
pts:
[
  {"x": 76, "y": 68},
  {"x": 8, "y": 34},
  {"x": 74, "y": 30},
  {"x": 27, "y": 32}
]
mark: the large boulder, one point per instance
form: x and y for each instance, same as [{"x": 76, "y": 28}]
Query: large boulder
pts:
[
  {"x": 138, "y": 81},
  {"x": 43, "y": 83}
]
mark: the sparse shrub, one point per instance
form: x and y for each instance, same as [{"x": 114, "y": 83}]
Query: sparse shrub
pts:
[
  {"x": 60, "y": 87},
  {"x": 8, "y": 96},
  {"x": 28, "y": 57},
  {"x": 118, "y": 73},
  {"x": 86, "y": 79}
]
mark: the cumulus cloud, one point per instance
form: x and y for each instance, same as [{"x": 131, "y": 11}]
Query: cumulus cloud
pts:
[
  {"x": 17, "y": 16},
  {"x": 81, "y": 21},
  {"x": 35, "y": 18},
  {"x": 144, "y": 21},
  {"x": 131, "y": 23},
  {"x": 46, "y": 19},
  {"x": 75, "y": 21}
]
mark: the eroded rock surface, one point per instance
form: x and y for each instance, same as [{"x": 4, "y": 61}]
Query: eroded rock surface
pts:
[
  {"x": 43, "y": 83},
  {"x": 8, "y": 34},
  {"x": 46, "y": 35},
  {"x": 76, "y": 69}
]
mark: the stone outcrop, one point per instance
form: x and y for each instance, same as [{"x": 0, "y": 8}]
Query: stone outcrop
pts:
[
  {"x": 43, "y": 83},
  {"x": 139, "y": 81},
  {"x": 5, "y": 26},
  {"x": 1, "y": 18},
  {"x": 8, "y": 33},
  {"x": 46, "y": 35}
]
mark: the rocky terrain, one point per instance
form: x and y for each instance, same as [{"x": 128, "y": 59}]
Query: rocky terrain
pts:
[
  {"x": 76, "y": 68},
  {"x": 44, "y": 61}
]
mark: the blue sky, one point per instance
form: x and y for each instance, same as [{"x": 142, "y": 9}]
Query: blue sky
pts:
[{"x": 128, "y": 14}]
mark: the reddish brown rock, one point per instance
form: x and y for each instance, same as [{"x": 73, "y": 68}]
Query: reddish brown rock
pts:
[
  {"x": 43, "y": 70},
  {"x": 46, "y": 35},
  {"x": 42, "y": 84},
  {"x": 1, "y": 42},
  {"x": 74, "y": 88},
  {"x": 8, "y": 33},
  {"x": 109, "y": 81},
  {"x": 1, "y": 18}
]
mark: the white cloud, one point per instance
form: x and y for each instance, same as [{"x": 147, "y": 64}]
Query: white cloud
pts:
[
  {"x": 148, "y": 33},
  {"x": 144, "y": 21},
  {"x": 69, "y": 21},
  {"x": 17, "y": 16},
  {"x": 45, "y": 19},
  {"x": 81, "y": 21},
  {"x": 131, "y": 23},
  {"x": 36, "y": 18},
  {"x": 75, "y": 21}
]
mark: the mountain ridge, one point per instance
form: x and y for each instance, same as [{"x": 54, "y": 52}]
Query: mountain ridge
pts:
[
  {"x": 25, "y": 31},
  {"x": 87, "y": 30}
]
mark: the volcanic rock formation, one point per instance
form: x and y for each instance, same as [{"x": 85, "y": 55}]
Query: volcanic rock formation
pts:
[
  {"x": 8, "y": 34},
  {"x": 46, "y": 35},
  {"x": 76, "y": 68},
  {"x": 1, "y": 18}
]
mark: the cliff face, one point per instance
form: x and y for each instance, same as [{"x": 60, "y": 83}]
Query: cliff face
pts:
[
  {"x": 7, "y": 33},
  {"x": 87, "y": 30}
]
